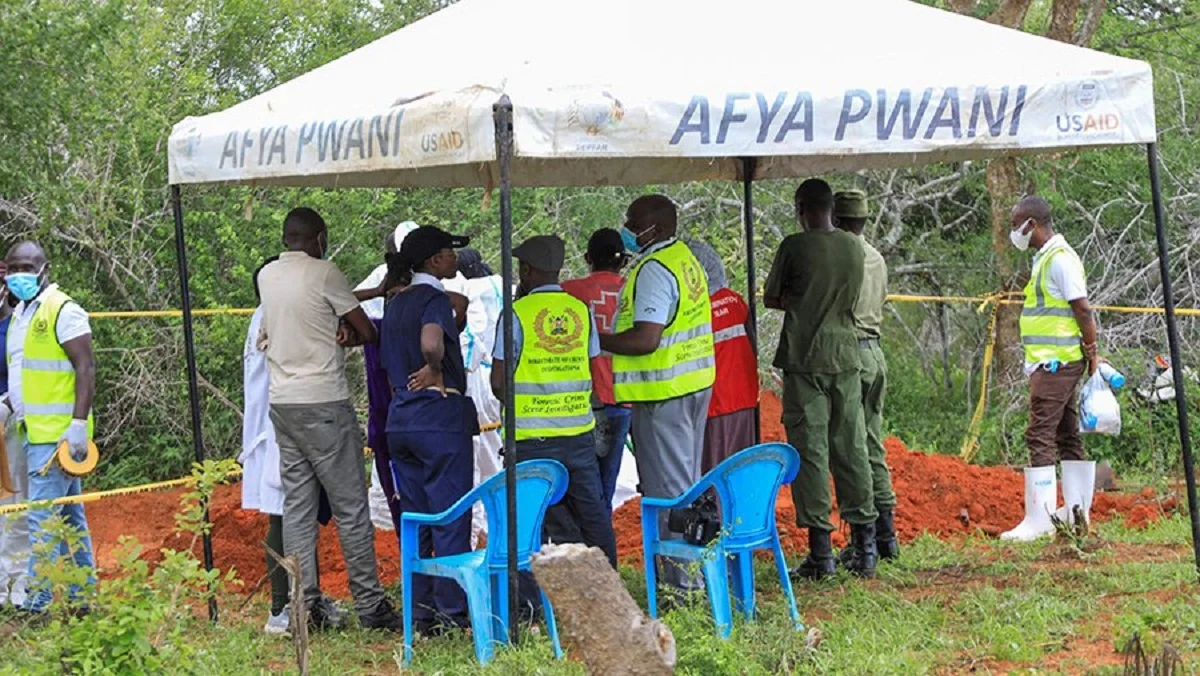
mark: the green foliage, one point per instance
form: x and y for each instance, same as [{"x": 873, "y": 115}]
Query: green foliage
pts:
[
  {"x": 139, "y": 621},
  {"x": 92, "y": 90}
]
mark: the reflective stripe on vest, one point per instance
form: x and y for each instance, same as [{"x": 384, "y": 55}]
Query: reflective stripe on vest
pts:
[
  {"x": 684, "y": 361},
  {"x": 552, "y": 393},
  {"x": 47, "y": 375},
  {"x": 1049, "y": 331}
]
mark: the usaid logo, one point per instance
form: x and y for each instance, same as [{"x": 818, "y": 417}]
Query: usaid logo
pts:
[{"x": 1087, "y": 94}]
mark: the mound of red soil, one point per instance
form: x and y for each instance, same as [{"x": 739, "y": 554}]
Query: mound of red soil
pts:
[{"x": 937, "y": 494}]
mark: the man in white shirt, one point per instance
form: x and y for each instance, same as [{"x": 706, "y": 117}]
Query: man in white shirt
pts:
[
  {"x": 670, "y": 414},
  {"x": 52, "y": 382},
  {"x": 309, "y": 316},
  {"x": 1058, "y": 334}
]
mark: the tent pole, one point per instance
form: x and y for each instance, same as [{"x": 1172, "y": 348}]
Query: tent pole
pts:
[
  {"x": 502, "y": 111},
  {"x": 189, "y": 345},
  {"x": 1181, "y": 410},
  {"x": 748, "y": 165}
]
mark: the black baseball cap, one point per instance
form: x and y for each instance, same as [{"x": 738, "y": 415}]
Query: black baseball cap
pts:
[
  {"x": 426, "y": 241},
  {"x": 543, "y": 252},
  {"x": 605, "y": 246}
]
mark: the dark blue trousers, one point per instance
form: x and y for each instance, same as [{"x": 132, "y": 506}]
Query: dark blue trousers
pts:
[
  {"x": 432, "y": 471},
  {"x": 582, "y": 515},
  {"x": 612, "y": 429}
]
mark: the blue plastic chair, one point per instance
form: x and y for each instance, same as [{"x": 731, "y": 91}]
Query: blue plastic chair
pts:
[
  {"x": 747, "y": 485},
  {"x": 483, "y": 574}
]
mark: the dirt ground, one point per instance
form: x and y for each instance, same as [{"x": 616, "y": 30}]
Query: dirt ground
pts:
[{"x": 937, "y": 494}]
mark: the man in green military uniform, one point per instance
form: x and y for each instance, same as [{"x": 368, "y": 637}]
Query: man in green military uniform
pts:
[
  {"x": 850, "y": 213},
  {"x": 815, "y": 280}
]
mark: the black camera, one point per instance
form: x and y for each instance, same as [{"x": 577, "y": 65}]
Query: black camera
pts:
[{"x": 700, "y": 523}]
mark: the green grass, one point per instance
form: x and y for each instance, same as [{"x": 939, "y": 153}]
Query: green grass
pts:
[{"x": 945, "y": 607}]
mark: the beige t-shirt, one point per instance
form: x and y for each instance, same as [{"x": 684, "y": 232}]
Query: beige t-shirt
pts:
[
  {"x": 868, "y": 309},
  {"x": 302, "y": 299}
]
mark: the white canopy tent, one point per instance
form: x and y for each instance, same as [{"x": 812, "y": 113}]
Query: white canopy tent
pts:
[
  {"x": 497, "y": 93},
  {"x": 634, "y": 92}
]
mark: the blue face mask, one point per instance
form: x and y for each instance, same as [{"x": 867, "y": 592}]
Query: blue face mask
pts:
[
  {"x": 24, "y": 285},
  {"x": 630, "y": 240}
]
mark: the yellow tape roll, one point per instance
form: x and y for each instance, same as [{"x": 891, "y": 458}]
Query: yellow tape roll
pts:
[{"x": 69, "y": 465}]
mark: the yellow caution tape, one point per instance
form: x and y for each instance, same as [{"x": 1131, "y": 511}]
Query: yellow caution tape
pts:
[
  {"x": 93, "y": 456},
  {"x": 971, "y": 440},
  {"x": 969, "y": 446},
  {"x": 142, "y": 314},
  {"x": 69, "y": 465},
  {"x": 895, "y": 298}
]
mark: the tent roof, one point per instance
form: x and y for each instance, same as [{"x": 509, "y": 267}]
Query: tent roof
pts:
[{"x": 660, "y": 91}]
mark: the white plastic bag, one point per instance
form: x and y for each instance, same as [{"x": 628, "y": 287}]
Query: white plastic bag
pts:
[{"x": 1099, "y": 412}]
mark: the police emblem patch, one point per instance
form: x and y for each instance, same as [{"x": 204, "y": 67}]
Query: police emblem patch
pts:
[
  {"x": 558, "y": 333},
  {"x": 693, "y": 279}
]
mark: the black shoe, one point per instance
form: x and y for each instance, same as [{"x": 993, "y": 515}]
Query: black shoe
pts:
[
  {"x": 864, "y": 554},
  {"x": 820, "y": 562},
  {"x": 440, "y": 625},
  {"x": 885, "y": 535},
  {"x": 323, "y": 615},
  {"x": 382, "y": 617}
]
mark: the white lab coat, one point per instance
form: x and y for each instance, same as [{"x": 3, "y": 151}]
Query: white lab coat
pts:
[
  {"x": 262, "y": 487},
  {"x": 15, "y": 549},
  {"x": 485, "y": 300}
]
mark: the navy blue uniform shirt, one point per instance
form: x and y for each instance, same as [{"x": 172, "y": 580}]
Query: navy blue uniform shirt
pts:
[{"x": 400, "y": 353}]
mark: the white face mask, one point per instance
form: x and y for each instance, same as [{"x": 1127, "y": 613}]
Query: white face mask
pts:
[{"x": 1020, "y": 238}]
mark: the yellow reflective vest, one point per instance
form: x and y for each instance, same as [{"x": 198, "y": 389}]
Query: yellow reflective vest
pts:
[
  {"x": 553, "y": 379},
  {"x": 1049, "y": 331},
  {"x": 684, "y": 361},
  {"x": 47, "y": 375}
]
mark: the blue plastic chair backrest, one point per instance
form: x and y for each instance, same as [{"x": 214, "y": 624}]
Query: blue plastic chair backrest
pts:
[
  {"x": 747, "y": 483},
  {"x": 540, "y": 483}
]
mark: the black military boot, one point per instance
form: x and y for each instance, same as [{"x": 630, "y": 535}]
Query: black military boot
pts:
[
  {"x": 885, "y": 535},
  {"x": 864, "y": 553},
  {"x": 820, "y": 562}
]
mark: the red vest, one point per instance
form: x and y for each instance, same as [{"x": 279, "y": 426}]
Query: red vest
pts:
[
  {"x": 736, "y": 388},
  {"x": 601, "y": 291}
]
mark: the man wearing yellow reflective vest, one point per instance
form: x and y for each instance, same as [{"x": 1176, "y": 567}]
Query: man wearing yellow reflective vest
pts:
[
  {"x": 663, "y": 360},
  {"x": 554, "y": 341},
  {"x": 1058, "y": 333},
  {"x": 52, "y": 381}
]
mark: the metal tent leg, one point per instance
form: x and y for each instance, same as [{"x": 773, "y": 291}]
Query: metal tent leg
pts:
[
  {"x": 189, "y": 344},
  {"x": 1185, "y": 439},
  {"x": 503, "y": 113},
  {"x": 748, "y": 165}
]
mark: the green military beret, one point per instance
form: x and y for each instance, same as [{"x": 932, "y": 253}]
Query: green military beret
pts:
[{"x": 850, "y": 204}]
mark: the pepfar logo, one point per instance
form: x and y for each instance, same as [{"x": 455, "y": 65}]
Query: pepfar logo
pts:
[{"x": 1087, "y": 94}]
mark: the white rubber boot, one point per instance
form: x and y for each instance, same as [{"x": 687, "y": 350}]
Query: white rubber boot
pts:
[
  {"x": 1079, "y": 485},
  {"x": 1041, "y": 495}
]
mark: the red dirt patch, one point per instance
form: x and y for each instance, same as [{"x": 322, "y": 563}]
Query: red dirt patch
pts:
[{"x": 937, "y": 494}]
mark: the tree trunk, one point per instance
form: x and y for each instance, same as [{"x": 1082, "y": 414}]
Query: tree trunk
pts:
[
  {"x": 1062, "y": 20},
  {"x": 1003, "y": 182},
  {"x": 597, "y": 618},
  {"x": 1091, "y": 22},
  {"x": 1010, "y": 13}
]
